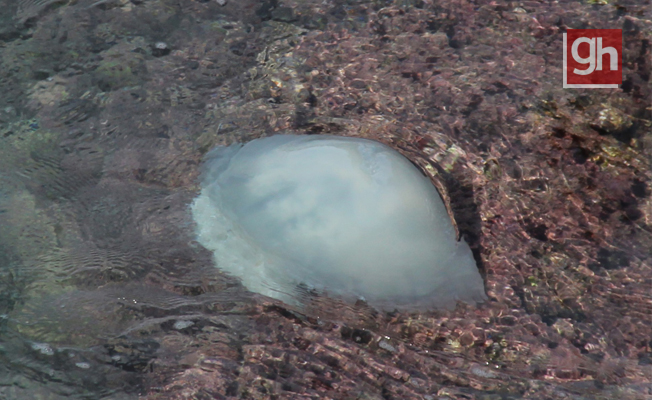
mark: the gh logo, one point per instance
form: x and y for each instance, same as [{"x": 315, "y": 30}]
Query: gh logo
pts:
[{"x": 594, "y": 59}]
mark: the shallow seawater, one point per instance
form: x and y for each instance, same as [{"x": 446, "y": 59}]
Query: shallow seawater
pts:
[{"x": 108, "y": 109}]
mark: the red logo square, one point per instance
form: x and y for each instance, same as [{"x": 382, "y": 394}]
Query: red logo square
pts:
[{"x": 593, "y": 58}]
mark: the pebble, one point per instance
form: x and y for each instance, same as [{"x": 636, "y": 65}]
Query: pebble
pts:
[
  {"x": 179, "y": 325},
  {"x": 44, "y": 348},
  {"x": 160, "y": 49}
]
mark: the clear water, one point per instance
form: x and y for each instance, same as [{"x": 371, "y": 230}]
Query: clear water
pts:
[{"x": 107, "y": 108}]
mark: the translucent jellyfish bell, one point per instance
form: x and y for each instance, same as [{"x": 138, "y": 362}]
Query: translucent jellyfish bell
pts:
[{"x": 348, "y": 217}]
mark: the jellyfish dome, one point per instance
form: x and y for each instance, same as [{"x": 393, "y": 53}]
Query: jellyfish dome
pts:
[{"x": 347, "y": 217}]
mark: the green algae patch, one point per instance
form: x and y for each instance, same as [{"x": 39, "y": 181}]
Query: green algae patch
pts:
[{"x": 120, "y": 69}]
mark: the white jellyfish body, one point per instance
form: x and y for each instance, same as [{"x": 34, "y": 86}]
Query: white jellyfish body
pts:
[{"x": 349, "y": 217}]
